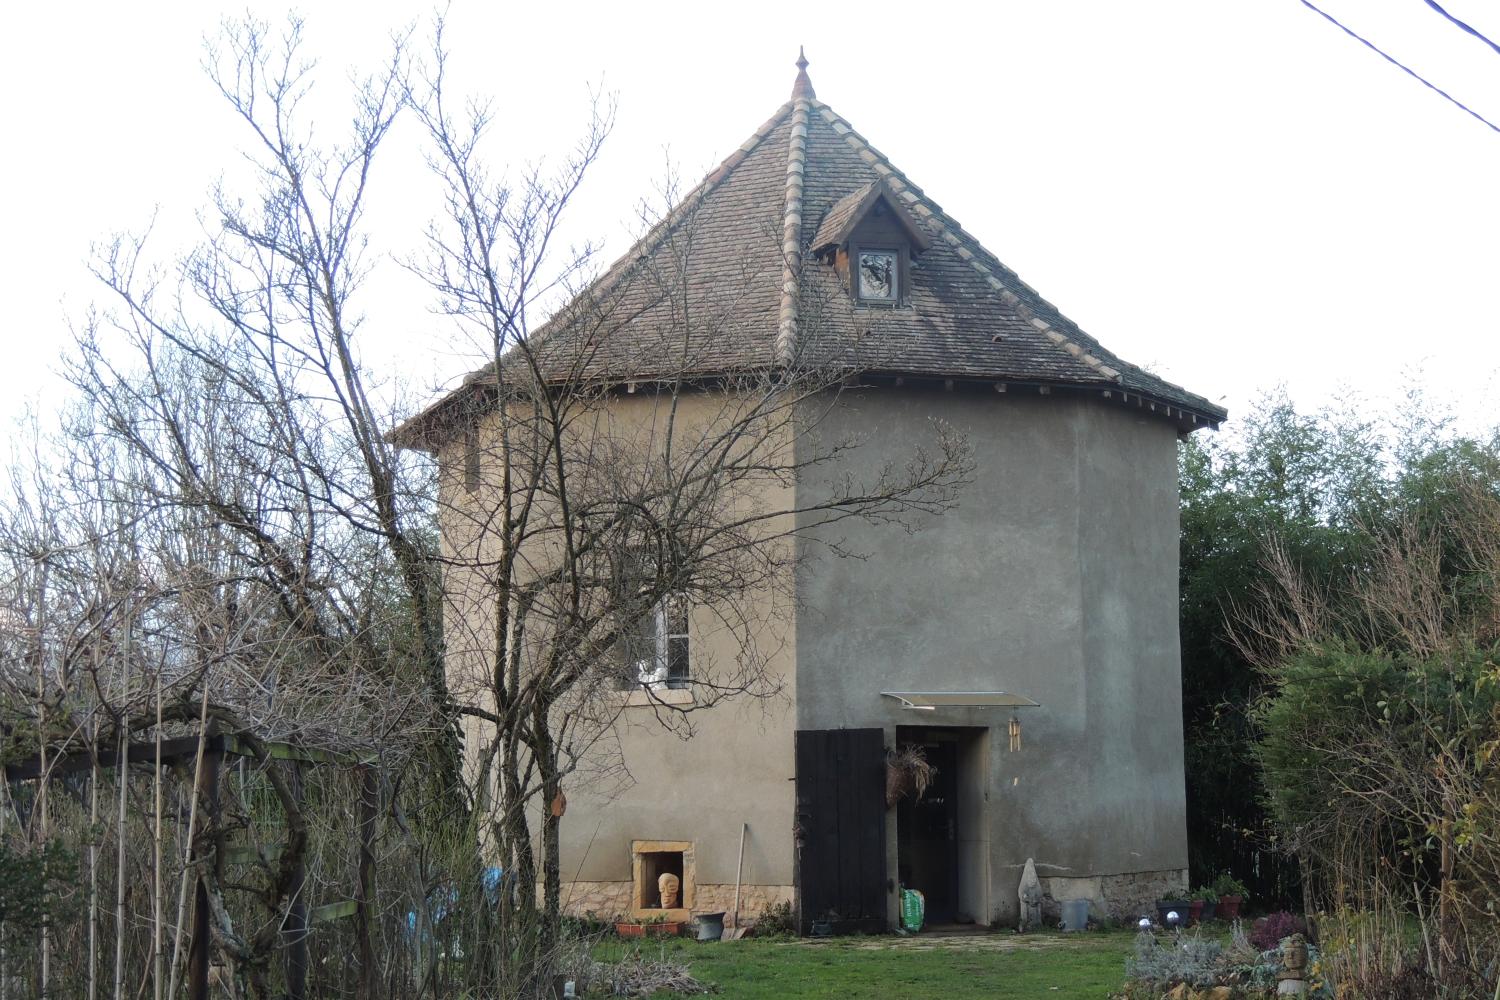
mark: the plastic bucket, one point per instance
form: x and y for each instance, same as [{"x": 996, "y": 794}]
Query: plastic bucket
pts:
[{"x": 710, "y": 926}]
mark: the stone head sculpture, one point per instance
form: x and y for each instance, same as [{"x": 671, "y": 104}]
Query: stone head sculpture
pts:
[
  {"x": 1294, "y": 956},
  {"x": 668, "y": 885}
]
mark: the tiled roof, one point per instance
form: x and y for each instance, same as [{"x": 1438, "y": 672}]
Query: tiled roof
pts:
[{"x": 737, "y": 253}]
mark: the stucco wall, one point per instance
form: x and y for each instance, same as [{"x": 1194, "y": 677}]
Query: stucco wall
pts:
[
  {"x": 1056, "y": 579},
  {"x": 695, "y": 779}
]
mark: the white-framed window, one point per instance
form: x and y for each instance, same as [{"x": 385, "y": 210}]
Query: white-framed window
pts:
[{"x": 657, "y": 655}]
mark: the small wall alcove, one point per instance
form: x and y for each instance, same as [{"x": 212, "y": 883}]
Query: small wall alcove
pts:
[{"x": 650, "y": 859}]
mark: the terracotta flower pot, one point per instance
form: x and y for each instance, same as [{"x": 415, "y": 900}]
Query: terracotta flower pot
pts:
[
  {"x": 667, "y": 928},
  {"x": 1195, "y": 911},
  {"x": 1229, "y": 907}
]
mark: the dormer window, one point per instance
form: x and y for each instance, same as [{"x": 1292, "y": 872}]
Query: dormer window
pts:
[
  {"x": 870, "y": 239},
  {"x": 879, "y": 276}
]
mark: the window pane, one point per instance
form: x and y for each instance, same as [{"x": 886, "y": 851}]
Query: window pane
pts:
[
  {"x": 677, "y": 662},
  {"x": 471, "y": 458},
  {"x": 638, "y": 653},
  {"x": 877, "y": 274},
  {"x": 677, "y": 615}
]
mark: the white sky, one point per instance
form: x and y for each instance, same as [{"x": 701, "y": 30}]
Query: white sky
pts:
[{"x": 1232, "y": 192}]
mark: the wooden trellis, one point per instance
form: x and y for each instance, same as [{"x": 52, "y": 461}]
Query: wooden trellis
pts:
[{"x": 215, "y": 748}]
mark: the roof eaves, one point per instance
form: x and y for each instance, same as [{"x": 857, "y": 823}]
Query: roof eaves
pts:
[{"x": 425, "y": 430}]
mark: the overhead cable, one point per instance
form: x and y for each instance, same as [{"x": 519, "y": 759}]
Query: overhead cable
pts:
[
  {"x": 1401, "y": 66},
  {"x": 1437, "y": 7}
]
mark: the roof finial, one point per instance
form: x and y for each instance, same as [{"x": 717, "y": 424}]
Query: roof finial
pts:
[{"x": 803, "y": 87}]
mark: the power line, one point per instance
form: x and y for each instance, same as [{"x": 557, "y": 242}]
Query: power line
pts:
[
  {"x": 1401, "y": 66},
  {"x": 1434, "y": 5}
]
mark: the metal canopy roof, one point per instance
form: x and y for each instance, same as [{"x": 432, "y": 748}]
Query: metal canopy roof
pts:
[{"x": 929, "y": 700}]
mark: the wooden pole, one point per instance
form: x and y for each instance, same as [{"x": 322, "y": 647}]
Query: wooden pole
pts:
[
  {"x": 296, "y": 914},
  {"x": 187, "y": 846},
  {"x": 198, "y": 956},
  {"x": 43, "y": 803},
  {"x": 93, "y": 982},
  {"x": 739, "y": 871},
  {"x": 369, "y": 810},
  {"x": 156, "y": 884},
  {"x": 122, "y": 775},
  {"x": 5, "y": 808}
]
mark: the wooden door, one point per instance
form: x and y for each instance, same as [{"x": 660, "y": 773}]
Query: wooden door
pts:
[{"x": 841, "y": 864}]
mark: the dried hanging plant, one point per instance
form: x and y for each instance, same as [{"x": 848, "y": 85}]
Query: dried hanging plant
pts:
[{"x": 907, "y": 771}]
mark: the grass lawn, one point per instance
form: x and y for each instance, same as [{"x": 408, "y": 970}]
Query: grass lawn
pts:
[{"x": 992, "y": 966}]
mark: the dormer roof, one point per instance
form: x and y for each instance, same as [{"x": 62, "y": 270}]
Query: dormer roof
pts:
[
  {"x": 744, "y": 244},
  {"x": 845, "y": 216}
]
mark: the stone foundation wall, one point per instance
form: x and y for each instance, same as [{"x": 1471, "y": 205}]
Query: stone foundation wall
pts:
[
  {"x": 1118, "y": 897},
  {"x": 754, "y": 899},
  {"x": 605, "y": 900},
  {"x": 608, "y": 900}
]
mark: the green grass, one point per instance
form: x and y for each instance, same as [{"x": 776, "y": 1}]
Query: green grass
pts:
[{"x": 994, "y": 967}]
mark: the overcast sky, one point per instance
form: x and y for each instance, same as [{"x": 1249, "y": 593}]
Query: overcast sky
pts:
[{"x": 1234, "y": 193}]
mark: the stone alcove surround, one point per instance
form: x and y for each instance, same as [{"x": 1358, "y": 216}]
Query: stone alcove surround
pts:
[{"x": 648, "y": 860}]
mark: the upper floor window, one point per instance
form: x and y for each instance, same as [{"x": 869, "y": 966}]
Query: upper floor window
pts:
[
  {"x": 656, "y": 654},
  {"x": 471, "y": 457},
  {"x": 871, "y": 239},
  {"x": 879, "y": 275}
]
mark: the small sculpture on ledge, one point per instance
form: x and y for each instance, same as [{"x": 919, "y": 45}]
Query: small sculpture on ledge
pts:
[{"x": 668, "y": 885}]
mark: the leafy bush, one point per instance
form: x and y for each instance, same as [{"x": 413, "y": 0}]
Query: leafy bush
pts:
[
  {"x": 1204, "y": 893},
  {"x": 1268, "y": 931},
  {"x": 776, "y": 920},
  {"x": 37, "y": 885},
  {"x": 590, "y": 925}
]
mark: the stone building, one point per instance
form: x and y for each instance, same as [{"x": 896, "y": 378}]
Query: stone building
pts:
[{"x": 1024, "y": 642}]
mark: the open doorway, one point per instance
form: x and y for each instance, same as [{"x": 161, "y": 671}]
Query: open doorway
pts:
[{"x": 942, "y": 837}]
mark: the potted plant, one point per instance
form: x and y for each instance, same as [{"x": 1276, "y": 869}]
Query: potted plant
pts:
[
  {"x": 907, "y": 772},
  {"x": 1231, "y": 896},
  {"x": 1204, "y": 901}
]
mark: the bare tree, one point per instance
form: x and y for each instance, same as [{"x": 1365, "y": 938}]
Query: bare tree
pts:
[{"x": 238, "y": 537}]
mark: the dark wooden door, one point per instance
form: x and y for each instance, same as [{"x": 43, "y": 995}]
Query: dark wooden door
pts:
[{"x": 841, "y": 829}]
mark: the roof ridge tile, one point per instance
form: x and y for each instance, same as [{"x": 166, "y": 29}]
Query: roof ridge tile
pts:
[{"x": 791, "y": 234}]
